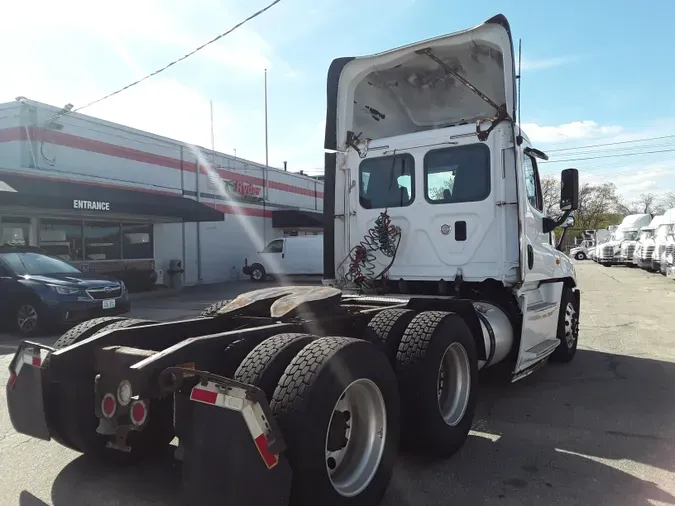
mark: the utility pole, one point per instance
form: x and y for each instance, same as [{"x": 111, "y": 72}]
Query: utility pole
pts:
[{"x": 266, "y": 145}]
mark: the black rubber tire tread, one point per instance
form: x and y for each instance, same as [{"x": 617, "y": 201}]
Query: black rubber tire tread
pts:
[
  {"x": 304, "y": 401},
  {"x": 417, "y": 365},
  {"x": 124, "y": 324},
  {"x": 84, "y": 330},
  {"x": 386, "y": 330},
  {"x": 564, "y": 353},
  {"x": 266, "y": 363},
  {"x": 212, "y": 309}
]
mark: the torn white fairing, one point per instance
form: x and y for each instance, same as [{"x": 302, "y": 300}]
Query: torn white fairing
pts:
[{"x": 403, "y": 91}]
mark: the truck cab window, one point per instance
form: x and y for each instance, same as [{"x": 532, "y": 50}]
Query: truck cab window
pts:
[
  {"x": 276, "y": 246},
  {"x": 532, "y": 183},
  {"x": 457, "y": 174},
  {"x": 387, "y": 181}
]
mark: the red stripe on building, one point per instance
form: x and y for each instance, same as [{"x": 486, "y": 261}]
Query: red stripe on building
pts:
[
  {"x": 227, "y": 209},
  {"x": 105, "y": 148}
]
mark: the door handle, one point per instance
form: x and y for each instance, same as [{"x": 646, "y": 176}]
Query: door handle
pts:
[{"x": 530, "y": 256}]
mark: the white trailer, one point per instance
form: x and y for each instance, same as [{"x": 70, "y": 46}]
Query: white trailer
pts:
[{"x": 439, "y": 263}]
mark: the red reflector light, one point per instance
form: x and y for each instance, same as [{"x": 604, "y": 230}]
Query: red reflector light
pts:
[
  {"x": 139, "y": 413},
  {"x": 201, "y": 395},
  {"x": 12, "y": 380},
  {"x": 36, "y": 361},
  {"x": 108, "y": 405},
  {"x": 270, "y": 459}
]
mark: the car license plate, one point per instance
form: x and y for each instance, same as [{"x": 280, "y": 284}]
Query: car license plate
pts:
[{"x": 109, "y": 304}]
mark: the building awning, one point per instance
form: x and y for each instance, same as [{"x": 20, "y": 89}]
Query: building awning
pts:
[
  {"x": 36, "y": 192},
  {"x": 293, "y": 218}
]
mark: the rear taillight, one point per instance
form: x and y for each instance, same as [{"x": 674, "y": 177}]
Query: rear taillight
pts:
[
  {"x": 108, "y": 405},
  {"x": 139, "y": 413},
  {"x": 12, "y": 380}
]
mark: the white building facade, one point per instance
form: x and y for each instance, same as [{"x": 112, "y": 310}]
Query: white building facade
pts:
[{"x": 113, "y": 199}]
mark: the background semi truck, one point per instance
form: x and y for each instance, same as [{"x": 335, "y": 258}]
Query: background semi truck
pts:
[
  {"x": 438, "y": 263},
  {"x": 619, "y": 249}
]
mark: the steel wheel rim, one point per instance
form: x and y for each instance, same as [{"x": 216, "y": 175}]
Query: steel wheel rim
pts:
[
  {"x": 257, "y": 274},
  {"x": 454, "y": 384},
  {"x": 570, "y": 324},
  {"x": 352, "y": 468},
  {"x": 26, "y": 318}
]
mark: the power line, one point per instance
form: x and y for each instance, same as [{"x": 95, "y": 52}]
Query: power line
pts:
[
  {"x": 608, "y": 156},
  {"x": 158, "y": 71},
  {"x": 611, "y": 143}
]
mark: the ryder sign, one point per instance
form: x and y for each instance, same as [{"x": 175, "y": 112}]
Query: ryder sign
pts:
[{"x": 91, "y": 205}]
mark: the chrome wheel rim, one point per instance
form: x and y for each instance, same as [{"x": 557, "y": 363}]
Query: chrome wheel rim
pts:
[
  {"x": 570, "y": 325},
  {"x": 454, "y": 384},
  {"x": 257, "y": 274},
  {"x": 356, "y": 437},
  {"x": 26, "y": 318}
]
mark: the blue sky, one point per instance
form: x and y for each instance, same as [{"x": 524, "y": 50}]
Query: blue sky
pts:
[{"x": 593, "y": 72}]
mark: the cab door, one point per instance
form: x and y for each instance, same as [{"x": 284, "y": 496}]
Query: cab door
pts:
[{"x": 540, "y": 294}]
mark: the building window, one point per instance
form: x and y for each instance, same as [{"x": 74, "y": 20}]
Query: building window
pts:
[
  {"x": 62, "y": 238},
  {"x": 102, "y": 241},
  {"x": 137, "y": 241},
  {"x": 387, "y": 181},
  {"x": 14, "y": 231},
  {"x": 458, "y": 174}
]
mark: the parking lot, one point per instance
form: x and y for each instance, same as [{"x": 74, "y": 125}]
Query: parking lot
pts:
[{"x": 598, "y": 431}]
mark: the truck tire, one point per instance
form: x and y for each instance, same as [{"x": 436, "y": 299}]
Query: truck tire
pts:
[
  {"x": 258, "y": 273},
  {"x": 266, "y": 363},
  {"x": 568, "y": 328},
  {"x": 328, "y": 381},
  {"x": 386, "y": 330},
  {"x": 84, "y": 330},
  {"x": 212, "y": 309},
  {"x": 437, "y": 370},
  {"x": 580, "y": 255},
  {"x": 76, "y": 424}
]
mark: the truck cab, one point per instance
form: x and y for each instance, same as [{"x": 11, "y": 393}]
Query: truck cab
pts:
[
  {"x": 645, "y": 247},
  {"x": 622, "y": 243},
  {"x": 436, "y": 190},
  {"x": 662, "y": 238}
]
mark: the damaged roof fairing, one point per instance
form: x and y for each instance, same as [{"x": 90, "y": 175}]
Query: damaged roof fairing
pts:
[{"x": 406, "y": 90}]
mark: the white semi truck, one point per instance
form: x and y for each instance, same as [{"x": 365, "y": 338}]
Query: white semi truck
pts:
[
  {"x": 438, "y": 263},
  {"x": 644, "y": 251},
  {"x": 663, "y": 238},
  {"x": 619, "y": 249}
]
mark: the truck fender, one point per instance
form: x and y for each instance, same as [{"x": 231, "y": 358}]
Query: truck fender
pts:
[{"x": 463, "y": 307}]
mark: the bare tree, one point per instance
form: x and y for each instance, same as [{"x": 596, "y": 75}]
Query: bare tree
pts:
[
  {"x": 550, "y": 191},
  {"x": 646, "y": 203},
  {"x": 667, "y": 201}
]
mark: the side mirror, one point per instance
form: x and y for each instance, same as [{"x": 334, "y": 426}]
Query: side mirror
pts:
[
  {"x": 569, "y": 190},
  {"x": 569, "y": 222}
]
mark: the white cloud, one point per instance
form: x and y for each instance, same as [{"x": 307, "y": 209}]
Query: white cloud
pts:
[{"x": 576, "y": 130}]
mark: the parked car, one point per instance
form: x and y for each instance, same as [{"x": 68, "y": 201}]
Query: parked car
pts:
[
  {"x": 288, "y": 256},
  {"x": 40, "y": 291}
]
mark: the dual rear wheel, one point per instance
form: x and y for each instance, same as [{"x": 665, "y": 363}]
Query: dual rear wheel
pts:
[{"x": 344, "y": 404}]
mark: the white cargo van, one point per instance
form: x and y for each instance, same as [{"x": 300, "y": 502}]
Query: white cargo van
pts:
[
  {"x": 610, "y": 253},
  {"x": 663, "y": 237},
  {"x": 288, "y": 256}
]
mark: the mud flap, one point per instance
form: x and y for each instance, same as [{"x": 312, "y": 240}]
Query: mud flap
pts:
[
  {"x": 232, "y": 451},
  {"x": 25, "y": 396}
]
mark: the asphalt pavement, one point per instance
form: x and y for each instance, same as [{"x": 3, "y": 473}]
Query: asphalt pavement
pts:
[{"x": 597, "y": 431}]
